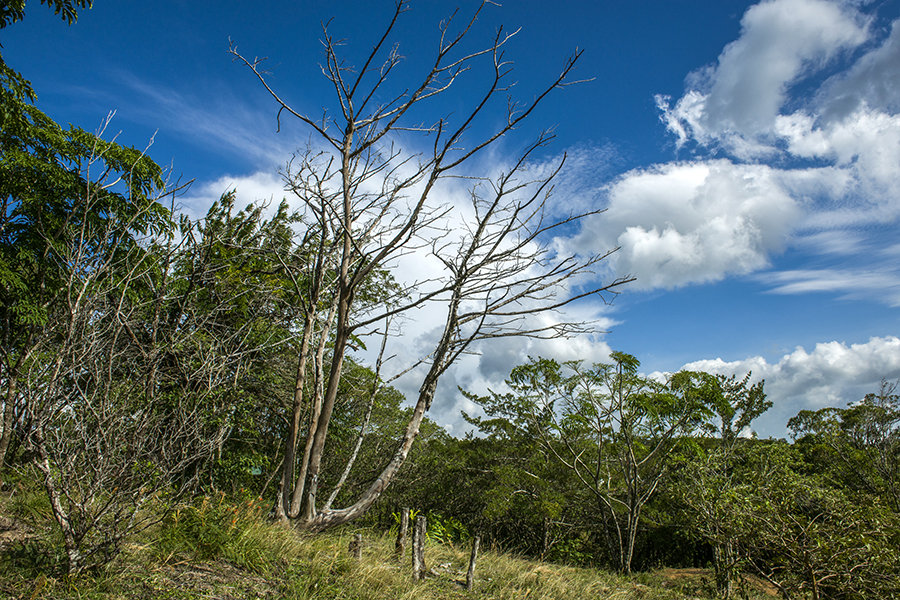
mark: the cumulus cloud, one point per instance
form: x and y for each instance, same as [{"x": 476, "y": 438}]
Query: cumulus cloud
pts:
[
  {"x": 873, "y": 81},
  {"x": 254, "y": 188},
  {"x": 865, "y": 145},
  {"x": 792, "y": 177},
  {"x": 738, "y": 99},
  {"x": 831, "y": 374},
  {"x": 696, "y": 222}
]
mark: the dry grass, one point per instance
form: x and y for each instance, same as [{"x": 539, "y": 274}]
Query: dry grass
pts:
[{"x": 257, "y": 559}]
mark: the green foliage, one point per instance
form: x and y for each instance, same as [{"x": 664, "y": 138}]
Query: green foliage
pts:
[
  {"x": 810, "y": 538},
  {"x": 705, "y": 484},
  {"x": 14, "y": 10},
  {"x": 445, "y": 530},
  {"x": 858, "y": 447},
  {"x": 29, "y": 503},
  {"x": 56, "y": 222},
  {"x": 33, "y": 559},
  {"x": 575, "y": 550},
  {"x": 612, "y": 428},
  {"x": 208, "y": 528}
]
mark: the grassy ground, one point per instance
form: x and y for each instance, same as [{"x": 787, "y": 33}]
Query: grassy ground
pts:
[{"x": 217, "y": 549}]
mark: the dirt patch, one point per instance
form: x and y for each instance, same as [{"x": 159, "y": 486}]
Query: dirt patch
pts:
[
  {"x": 219, "y": 580},
  {"x": 676, "y": 574},
  {"x": 701, "y": 577}
]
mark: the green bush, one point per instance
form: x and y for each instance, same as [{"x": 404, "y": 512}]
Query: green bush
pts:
[
  {"x": 446, "y": 530},
  {"x": 206, "y": 528}
]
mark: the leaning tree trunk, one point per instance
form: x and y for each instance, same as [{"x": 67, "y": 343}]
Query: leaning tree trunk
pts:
[{"x": 326, "y": 518}]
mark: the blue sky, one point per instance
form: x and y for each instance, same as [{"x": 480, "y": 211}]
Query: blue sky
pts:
[{"x": 748, "y": 155}]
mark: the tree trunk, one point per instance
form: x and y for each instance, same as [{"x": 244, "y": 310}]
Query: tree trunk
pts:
[
  {"x": 545, "y": 538},
  {"x": 8, "y": 406},
  {"x": 723, "y": 563},
  {"x": 73, "y": 553},
  {"x": 308, "y": 510},
  {"x": 283, "y": 508},
  {"x": 330, "y": 518},
  {"x": 299, "y": 485}
]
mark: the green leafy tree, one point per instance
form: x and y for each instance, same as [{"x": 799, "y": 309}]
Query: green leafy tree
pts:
[
  {"x": 610, "y": 426},
  {"x": 50, "y": 204},
  {"x": 809, "y": 538},
  {"x": 706, "y": 483},
  {"x": 229, "y": 300},
  {"x": 859, "y": 446},
  {"x": 94, "y": 386},
  {"x": 59, "y": 225}
]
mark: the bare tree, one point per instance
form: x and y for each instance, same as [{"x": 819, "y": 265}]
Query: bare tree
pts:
[
  {"x": 370, "y": 203},
  {"x": 121, "y": 387}
]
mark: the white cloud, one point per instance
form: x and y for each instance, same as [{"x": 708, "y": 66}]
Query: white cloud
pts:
[
  {"x": 865, "y": 145},
  {"x": 832, "y": 242},
  {"x": 832, "y": 374},
  {"x": 255, "y": 188},
  {"x": 874, "y": 81},
  {"x": 683, "y": 223},
  {"x": 848, "y": 127},
  {"x": 736, "y": 102},
  {"x": 882, "y": 285}
]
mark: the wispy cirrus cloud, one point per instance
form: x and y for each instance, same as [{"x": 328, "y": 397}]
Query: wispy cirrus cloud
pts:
[
  {"x": 882, "y": 285},
  {"x": 214, "y": 118}
]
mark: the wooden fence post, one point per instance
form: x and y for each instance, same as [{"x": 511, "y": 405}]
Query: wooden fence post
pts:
[
  {"x": 356, "y": 546},
  {"x": 545, "y": 542},
  {"x": 400, "y": 545},
  {"x": 418, "y": 548},
  {"x": 470, "y": 574}
]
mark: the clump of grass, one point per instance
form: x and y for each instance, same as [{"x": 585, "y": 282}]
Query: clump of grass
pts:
[{"x": 206, "y": 529}]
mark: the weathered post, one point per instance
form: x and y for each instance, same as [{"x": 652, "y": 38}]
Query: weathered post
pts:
[
  {"x": 545, "y": 543},
  {"x": 400, "y": 546},
  {"x": 356, "y": 546},
  {"x": 418, "y": 548},
  {"x": 470, "y": 574}
]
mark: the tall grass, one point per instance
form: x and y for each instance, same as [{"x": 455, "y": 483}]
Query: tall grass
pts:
[{"x": 216, "y": 548}]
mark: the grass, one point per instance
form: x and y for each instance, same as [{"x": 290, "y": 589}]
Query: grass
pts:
[{"x": 217, "y": 549}]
